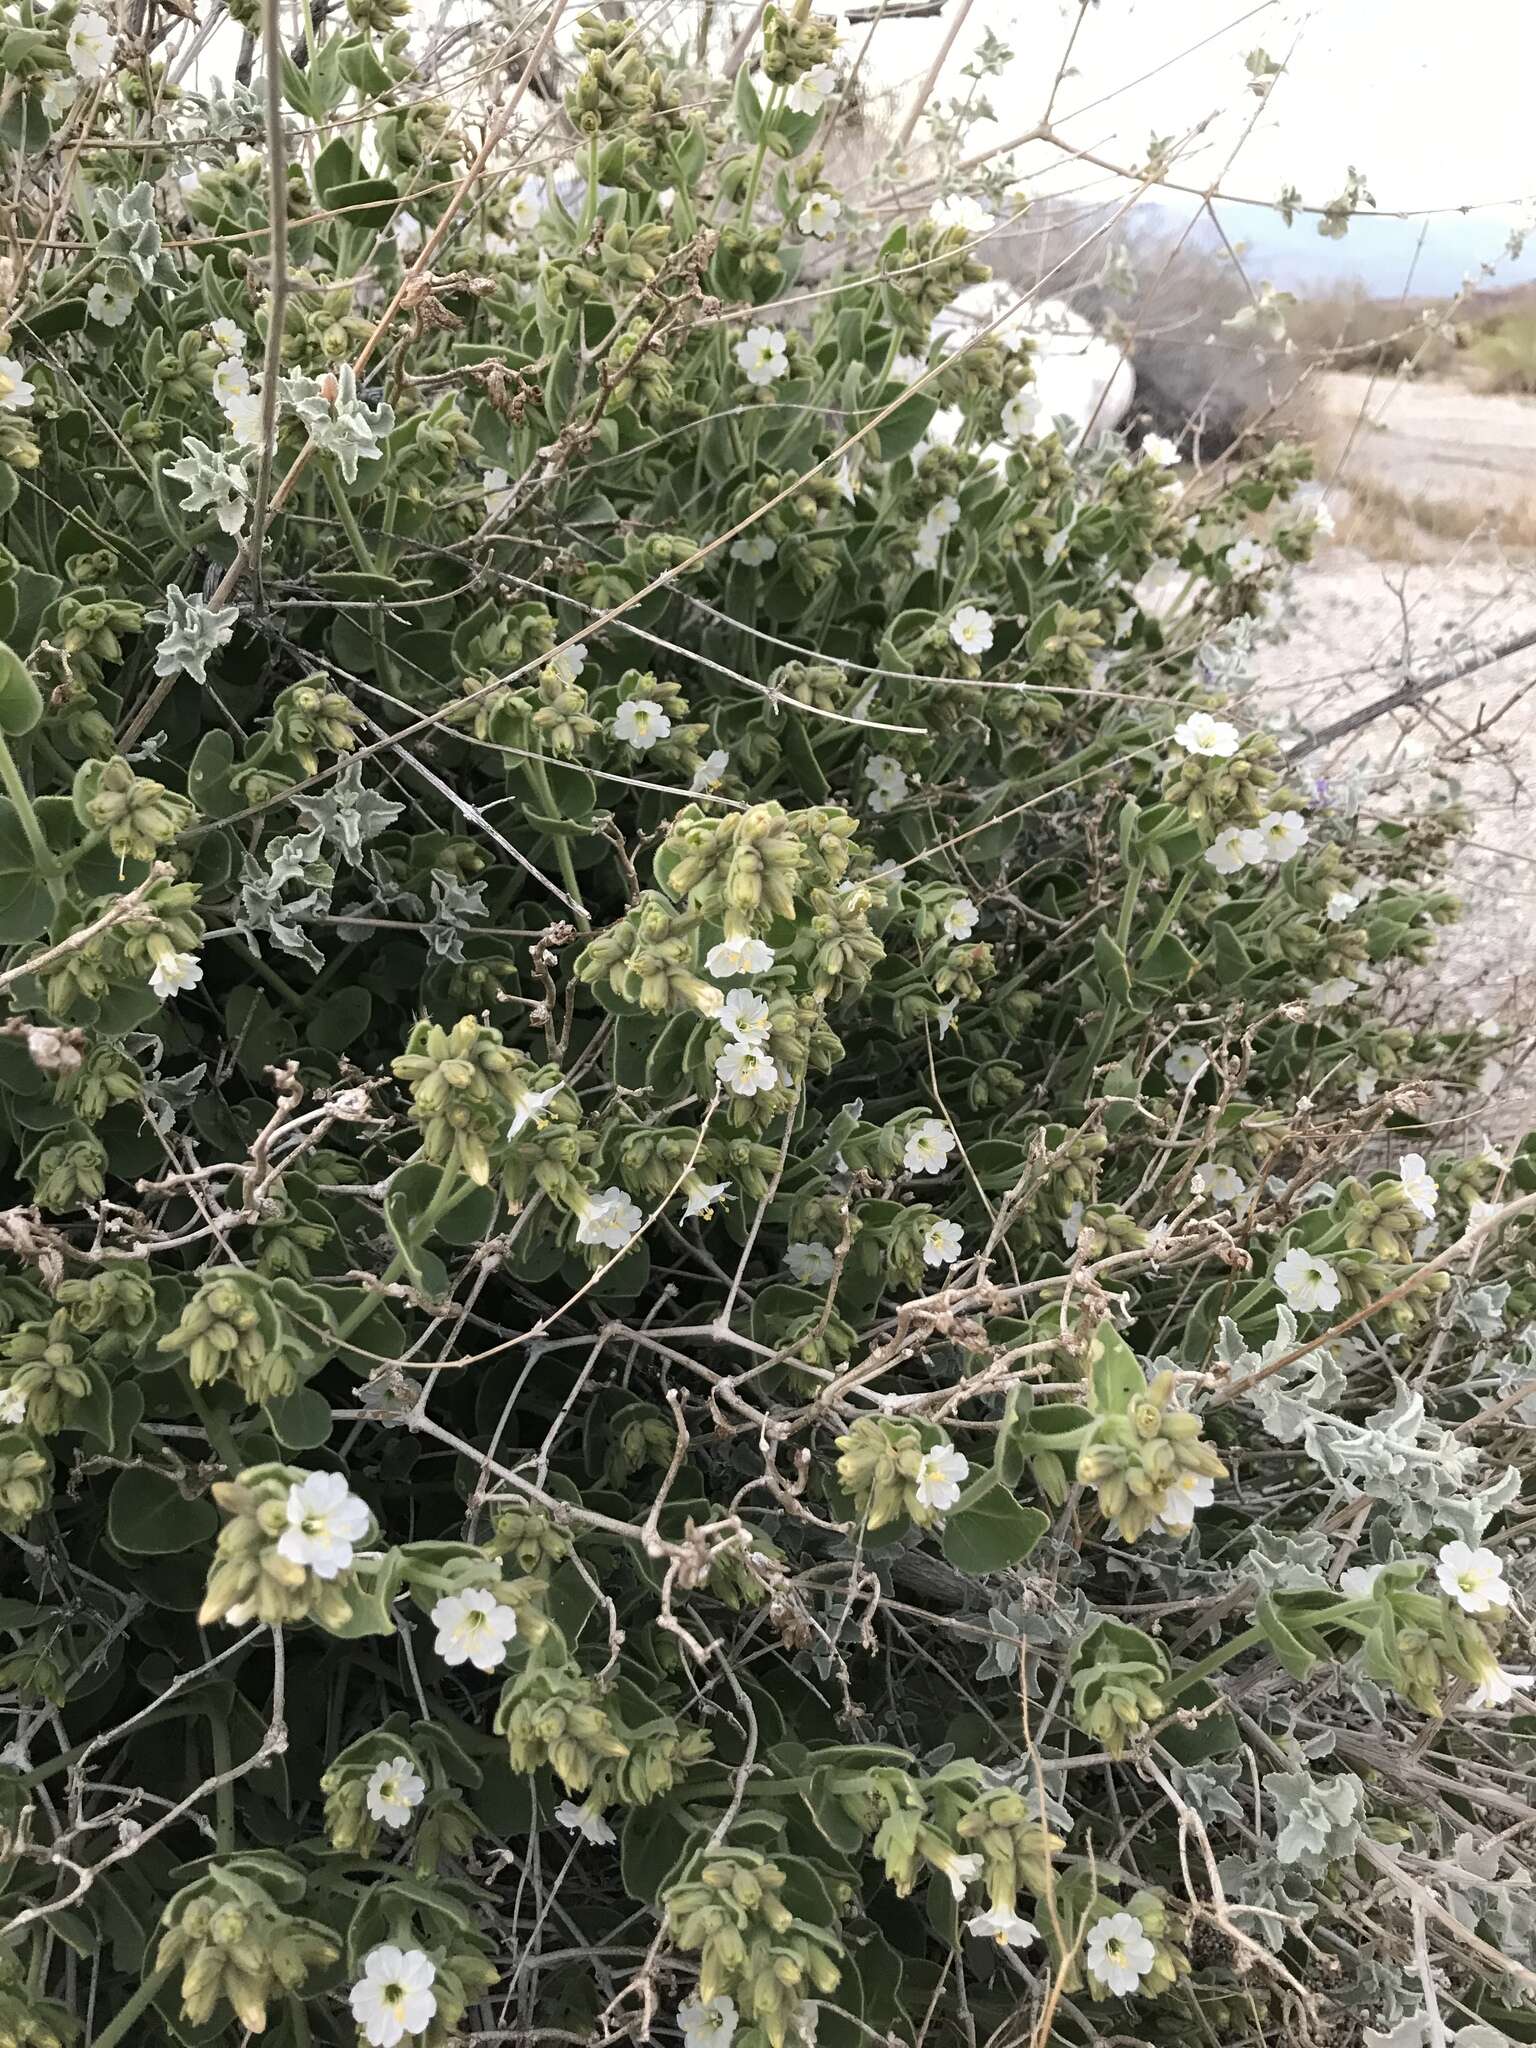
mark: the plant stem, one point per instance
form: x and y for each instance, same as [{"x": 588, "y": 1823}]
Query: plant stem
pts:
[
  {"x": 567, "y": 866},
  {"x": 224, "y": 1792},
  {"x": 346, "y": 515},
  {"x": 217, "y": 1430},
  {"x": 1215, "y": 1661},
  {"x": 749, "y": 199},
  {"x": 116, "y": 2029}
]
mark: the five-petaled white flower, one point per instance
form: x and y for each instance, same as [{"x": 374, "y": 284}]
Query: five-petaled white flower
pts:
[
  {"x": 1227, "y": 852},
  {"x": 1202, "y": 734},
  {"x": 325, "y": 1521},
  {"x": 761, "y": 355},
  {"x": 1159, "y": 449},
  {"x": 819, "y": 215},
  {"x": 581, "y": 1820},
  {"x": 744, "y": 1015},
  {"x": 1327, "y": 995},
  {"x": 104, "y": 302},
  {"x": 811, "y": 1264},
  {"x": 971, "y": 629},
  {"x": 1245, "y": 557},
  {"x": 1188, "y": 1492},
  {"x": 711, "y": 771},
  {"x": 1474, "y": 1579},
  {"x": 1008, "y": 1930},
  {"x": 960, "y": 918},
  {"x": 738, "y": 956},
  {"x": 928, "y": 1146},
  {"x": 1307, "y": 1282},
  {"x": 395, "y": 1791},
  {"x": 1359, "y": 1582},
  {"x": 702, "y": 1197},
  {"x": 1281, "y": 835},
  {"x": 228, "y": 337},
  {"x": 175, "y": 974},
  {"x": 752, "y": 550},
  {"x": 746, "y": 1068},
  {"x": 810, "y": 92},
  {"x": 1021, "y": 415},
  {"x": 1340, "y": 906},
  {"x": 1223, "y": 1183},
  {"x": 394, "y": 1995},
  {"x": 497, "y": 486},
  {"x": 531, "y": 1105},
  {"x": 961, "y": 1871},
  {"x": 243, "y": 413},
  {"x": 473, "y": 1627},
  {"x": 641, "y": 723},
  {"x": 888, "y": 782},
  {"x": 1497, "y": 1687},
  {"x": 1185, "y": 1064},
  {"x": 16, "y": 394},
  {"x": 1418, "y": 1184},
  {"x": 941, "y": 1243},
  {"x": 231, "y": 380},
  {"x": 707, "y": 2024},
  {"x": 569, "y": 662},
  {"x": 610, "y": 1219},
  {"x": 526, "y": 207},
  {"x": 961, "y": 211},
  {"x": 1119, "y": 1952},
  {"x": 13, "y": 1408},
  {"x": 89, "y": 46}
]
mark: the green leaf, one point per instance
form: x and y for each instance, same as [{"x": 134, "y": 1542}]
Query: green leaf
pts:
[
  {"x": 1115, "y": 1377},
  {"x": 987, "y": 1529},
  {"x": 21, "y": 701},
  {"x": 149, "y": 1516}
]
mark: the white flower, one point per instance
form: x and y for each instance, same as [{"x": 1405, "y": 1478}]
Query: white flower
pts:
[
  {"x": 1474, "y": 1579},
  {"x": 1418, "y": 1184},
  {"x": 960, "y": 918},
  {"x": 746, "y": 1069},
  {"x": 581, "y": 1820},
  {"x": 810, "y": 93},
  {"x": 1119, "y": 1953},
  {"x": 947, "y": 1013},
  {"x": 60, "y": 94},
  {"x": 1245, "y": 557},
  {"x": 1480, "y": 1213},
  {"x": 940, "y": 1477},
  {"x": 1498, "y": 1687},
  {"x": 811, "y": 1264},
  {"x": 16, "y": 394},
  {"x": 959, "y": 1870},
  {"x": 1307, "y": 1282},
  {"x": 1340, "y": 906},
  {"x": 928, "y": 1146},
  {"x": 1227, "y": 853},
  {"x": 961, "y": 211},
  {"x": 531, "y": 1105},
  {"x": 175, "y": 974},
  {"x": 610, "y": 1220},
  {"x": 1359, "y": 1582},
  {"x": 325, "y": 1519},
  {"x": 971, "y": 629},
  {"x": 1159, "y": 449},
  {"x": 1213, "y": 737},
  {"x": 1222, "y": 1182},
  {"x": 847, "y": 481},
  {"x": 711, "y": 2025},
  {"x": 569, "y": 662},
  {"x": 227, "y": 336},
  {"x": 1327, "y": 995},
  {"x": 641, "y": 722},
  {"x": 754, "y": 549},
  {"x": 1008, "y": 1930},
  {"x": 941, "y": 1243},
  {"x": 1021, "y": 415},
  {"x": 497, "y": 486},
  {"x": 710, "y": 771},
  {"x": 395, "y": 1791},
  {"x": 13, "y": 1408},
  {"x": 925, "y": 549},
  {"x": 888, "y": 780},
  {"x": 943, "y": 517},
  {"x": 1191, "y": 1490},
  {"x": 1282, "y": 834},
  {"x": 231, "y": 380},
  {"x": 738, "y": 956},
  {"x": 761, "y": 356},
  {"x": 744, "y": 1015},
  {"x": 243, "y": 412},
  {"x": 108, "y": 304},
  {"x": 89, "y": 46},
  {"x": 394, "y": 1995},
  {"x": 473, "y": 1628},
  {"x": 1185, "y": 1064},
  {"x": 819, "y": 215},
  {"x": 1072, "y": 1225},
  {"x": 703, "y": 1197},
  {"x": 526, "y": 208},
  {"x": 1365, "y": 1084}
]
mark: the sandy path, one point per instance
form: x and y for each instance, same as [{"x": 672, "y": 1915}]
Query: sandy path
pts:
[{"x": 1433, "y": 442}]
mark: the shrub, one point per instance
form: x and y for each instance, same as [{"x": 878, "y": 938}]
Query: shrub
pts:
[
  {"x": 1504, "y": 356},
  {"x": 717, "y": 1306}
]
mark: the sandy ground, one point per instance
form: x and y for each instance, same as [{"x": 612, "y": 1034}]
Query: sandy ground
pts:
[{"x": 1435, "y": 443}]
